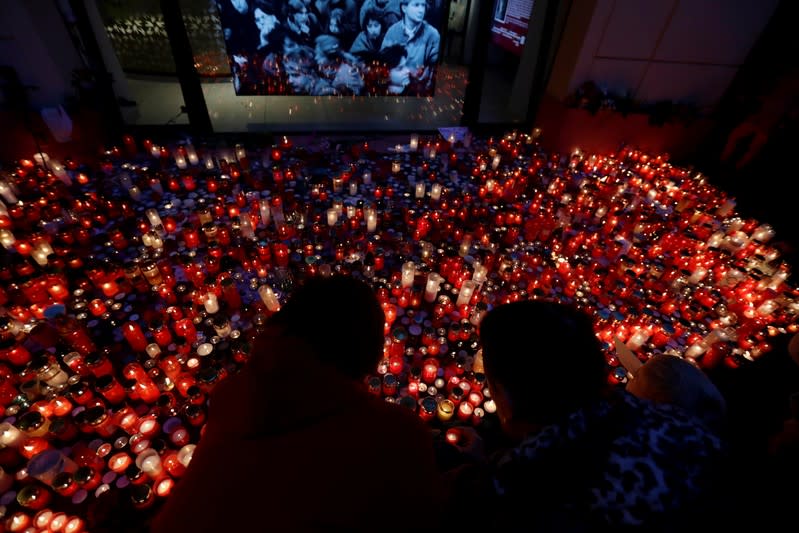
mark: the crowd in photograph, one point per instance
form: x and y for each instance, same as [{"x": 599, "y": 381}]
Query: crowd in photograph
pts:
[{"x": 332, "y": 47}]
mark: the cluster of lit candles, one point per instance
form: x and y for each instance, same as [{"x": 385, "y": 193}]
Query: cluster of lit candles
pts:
[{"x": 132, "y": 287}]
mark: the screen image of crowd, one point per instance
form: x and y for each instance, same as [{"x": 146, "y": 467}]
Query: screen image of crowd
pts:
[{"x": 332, "y": 47}]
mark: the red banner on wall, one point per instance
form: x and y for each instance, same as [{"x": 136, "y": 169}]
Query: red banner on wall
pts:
[{"x": 511, "y": 18}]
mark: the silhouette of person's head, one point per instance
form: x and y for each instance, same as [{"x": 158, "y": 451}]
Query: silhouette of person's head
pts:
[
  {"x": 340, "y": 319},
  {"x": 542, "y": 361},
  {"x": 673, "y": 380}
]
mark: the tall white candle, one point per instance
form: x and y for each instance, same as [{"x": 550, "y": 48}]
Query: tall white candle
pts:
[
  {"x": 434, "y": 280},
  {"x": 134, "y": 192},
  {"x": 414, "y": 143},
  {"x": 480, "y": 273},
  {"x": 245, "y": 223},
  {"x": 191, "y": 154},
  {"x": 332, "y": 216},
  {"x": 7, "y": 239},
  {"x": 351, "y": 211},
  {"x": 408, "y": 273},
  {"x": 420, "y": 190},
  {"x": 39, "y": 256},
  {"x": 467, "y": 290},
  {"x": 395, "y": 167},
  {"x": 367, "y": 177},
  {"x": 269, "y": 298},
  {"x": 7, "y": 193},
  {"x": 180, "y": 161},
  {"x": 371, "y": 220},
  {"x": 435, "y": 192},
  {"x": 209, "y": 162},
  {"x": 263, "y": 207},
  {"x": 353, "y": 188},
  {"x": 153, "y": 217},
  {"x": 60, "y": 172},
  {"x": 41, "y": 159},
  {"x": 149, "y": 462},
  {"x": 495, "y": 161}
]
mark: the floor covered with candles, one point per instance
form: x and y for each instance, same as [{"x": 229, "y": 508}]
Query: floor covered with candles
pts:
[{"x": 133, "y": 284}]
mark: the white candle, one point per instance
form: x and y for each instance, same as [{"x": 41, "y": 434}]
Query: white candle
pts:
[
  {"x": 434, "y": 280},
  {"x": 353, "y": 188},
  {"x": 263, "y": 207},
  {"x": 367, "y": 177},
  {"x": 180, "y": 161},
  {"x": 60, "y": 172},
  {"x": 767, "y": 307},
  {"x": 185, "y": 454},
  {"x": 338, "y": 205},
  {"x": 149, "y": 462},
  {"x": 245, "y": 225},
  {"x": 155, "y": 240},
  {"x": 134, "y": 192},
  {"x": 211, "y": 303},
  {"x": 241, "y": 152},
  {"x": 467, "y": 290},
  {"x": 153, "y": 350},
  {"x": 414, "y": 144},
  {"x": 205, "y": 349},
  {"x": 408, "y": 273},
  {"x": 536, "y": 133},
  {"x": 433, "y": 152},
  {"x": 351, "y": 211},
  {"x": 420, "y": 190},
  {"x": 637, "y": 339},
  {"x": 3, "y": 210},
  {"x": 7, "y": 193},
  {"x": 332, "y": 216},
  {"x": 39, "y": 256},
  {"x": 763, "y": 233},
  {"x": 495, "y": 162},
  {"x": 371, "y": 220},
  {"x": 7, "y": 239},
  {"x": 41, "y": 159},
  {"x": 209, "y": 162},
  {"x": 153, "y": 217},
  {"x": 10, "y": 436},
  {"x": 191, "y": 154},
  {"x": 480, "y": 273},
  {"x": 395, "y": 167},
  {"x": 269, "y": 298},
  {"x": 698, "y": 274},
  {"x": 338, "y": 184},
  {"x": 435, "y": 192},
  {"x": 155, "y": 150}
]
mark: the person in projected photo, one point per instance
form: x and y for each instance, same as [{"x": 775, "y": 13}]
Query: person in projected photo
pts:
[
  {"x": 339, "y": 69},
  {"x": 388, "y": 11},
  {"x": 421, "y": 41},
  {"x": 267, "y": 22},
  {"x": 342, "y": 28},
  {"x": 301, "y": 23},
  {"x": 367, "y": 44}
]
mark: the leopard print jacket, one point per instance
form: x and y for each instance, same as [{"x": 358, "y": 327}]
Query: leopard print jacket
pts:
[{"x": 624, "y": 462}]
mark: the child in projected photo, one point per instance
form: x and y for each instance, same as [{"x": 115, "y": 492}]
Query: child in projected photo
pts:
[{"x": 421, "y": 42}]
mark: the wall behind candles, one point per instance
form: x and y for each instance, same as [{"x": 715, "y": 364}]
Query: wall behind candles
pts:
[{"x": 33, "y": 42}]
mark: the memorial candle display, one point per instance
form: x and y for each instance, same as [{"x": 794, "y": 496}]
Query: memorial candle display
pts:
[{"x": 134, "y": 284}]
